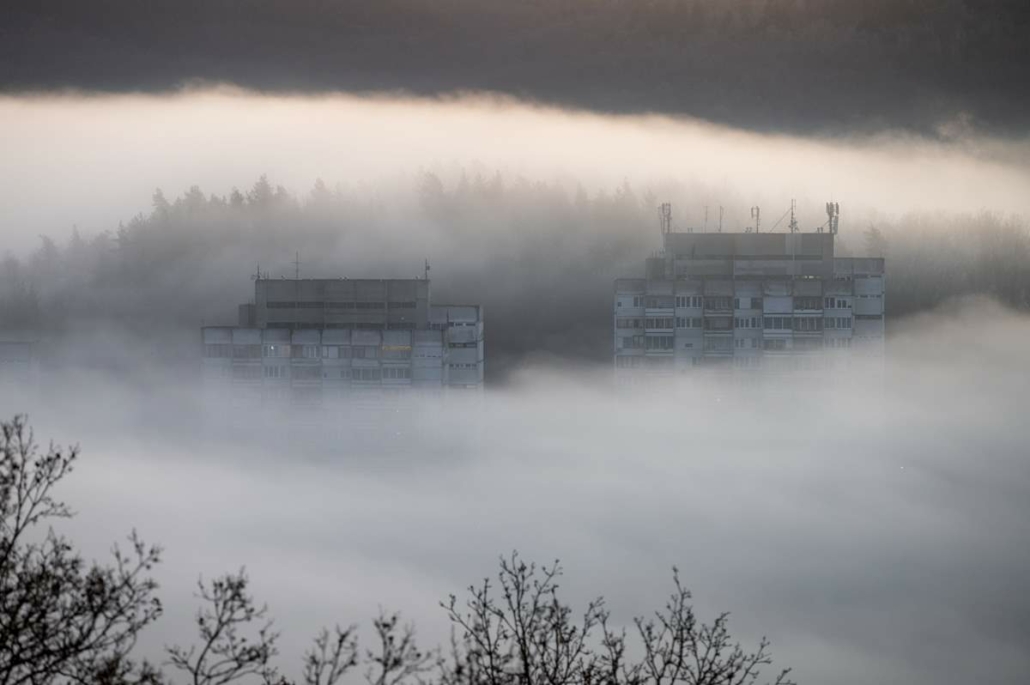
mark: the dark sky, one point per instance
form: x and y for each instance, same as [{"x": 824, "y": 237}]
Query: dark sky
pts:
[{"x": 821, "y": 65}]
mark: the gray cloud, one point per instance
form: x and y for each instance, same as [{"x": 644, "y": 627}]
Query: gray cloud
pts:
[{"x": 836, "y": 65}]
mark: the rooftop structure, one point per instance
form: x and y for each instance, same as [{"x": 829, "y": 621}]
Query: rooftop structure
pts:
[{"x": 778, "y": 301}]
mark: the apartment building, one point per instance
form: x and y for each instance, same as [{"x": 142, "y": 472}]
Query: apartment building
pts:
[
  {"x": 748, "y": 301},
  {"x": 311, "y": 339}
]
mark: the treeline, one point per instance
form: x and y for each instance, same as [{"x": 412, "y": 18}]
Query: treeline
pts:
[
  {"x": 540, "y": 257},
  {"x": 773, "y": 64}
]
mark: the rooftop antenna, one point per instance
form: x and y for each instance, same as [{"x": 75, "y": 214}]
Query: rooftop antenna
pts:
[
  {"x": 426, "y": 272},
  {"x": 720, "y": 218},
  {"x": 296, "y": 267},
  {"x": 793, "y": 217},
  {"x": 705, "y": 228},
  {"x": 756, "y": 214},
  {"x": 665, "y": 218},
  {"x": 833, "y": 216},
  {"x": 257, "y": 274}
]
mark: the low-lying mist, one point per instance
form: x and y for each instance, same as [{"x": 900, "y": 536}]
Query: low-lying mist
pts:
[{"x": 874, "y": 527}]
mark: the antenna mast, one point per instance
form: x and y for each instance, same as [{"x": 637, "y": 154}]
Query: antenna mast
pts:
[
  {"x": 793, "y": 218},
  {"x": 720, "y": 218},
  {"x": 704, "y": 229},
  {"x": 756, "y": 214},
  {"x": 426, "y": 272},
  {"x": 833, "y": 216},
  {"x": 665, "y": 218},
  {"x": 296, "y": 267}
]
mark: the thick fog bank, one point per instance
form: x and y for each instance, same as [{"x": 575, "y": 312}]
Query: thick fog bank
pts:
[
  {"x": 874, "y": 528},
  {"x": 88, "y": 161}
]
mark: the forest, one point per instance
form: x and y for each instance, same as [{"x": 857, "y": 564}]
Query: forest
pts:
[
  {"x": 540, "y": 257},
  {"x": 796, "y": 65}
]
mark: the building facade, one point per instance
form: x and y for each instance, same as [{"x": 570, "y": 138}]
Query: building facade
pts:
[
  {"x": 313, "y": 339},
  {"x": 749, "y": 301}
]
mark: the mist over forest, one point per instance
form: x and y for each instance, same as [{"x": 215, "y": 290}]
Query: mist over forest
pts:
[
  {"x": 539, "y": 257},
  {"x": 932, "y": 66}
]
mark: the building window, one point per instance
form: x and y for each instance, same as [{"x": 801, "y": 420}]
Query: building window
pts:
[
  {"x": 366, "y": 374},
  {"x": 277, "y": 371},
  {"x": 718, "y": 303},
  {"x": 660, "y": 342},
  {"x": 808, "y": 323},
  {"x": 307, "y": 373},
  {"x": 778, "y": 323},
  {"x": 404, "y": 351},
  {"x": 276, "y": 351},
  {"x": 247, "y": 373},
  {"x": 718, "y": 344},
  {"x": 218, "y": 351},
  {"x": 246, "y": 351},
  {"x": 307, "y": 352}
]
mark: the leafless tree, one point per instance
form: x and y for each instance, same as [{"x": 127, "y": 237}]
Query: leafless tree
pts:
[
  {"x": 225, "y": 653},
  {"x": 679, "y": 649},
  {"x": 396, "y": 658},
  {"x": 331, "y": 657},
  {"x": 528, "y": 636},
  {"x": 62, "y": 619}
]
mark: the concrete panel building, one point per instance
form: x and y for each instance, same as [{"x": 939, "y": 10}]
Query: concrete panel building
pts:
[
  {"x": 772, "y": 301},
  {"x": 307, "y": 340}
]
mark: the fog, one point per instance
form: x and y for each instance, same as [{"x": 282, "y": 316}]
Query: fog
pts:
[
  {"x": 93, "y": 161},
  {"x": 533, "y": 209},
  {"x": 874, "y": 528}
]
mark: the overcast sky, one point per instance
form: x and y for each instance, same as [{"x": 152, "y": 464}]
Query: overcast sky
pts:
[{"x": 828, "y": 65}]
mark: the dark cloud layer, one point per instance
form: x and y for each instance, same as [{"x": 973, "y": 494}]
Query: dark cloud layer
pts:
[{"x": 933, "y": 66}]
